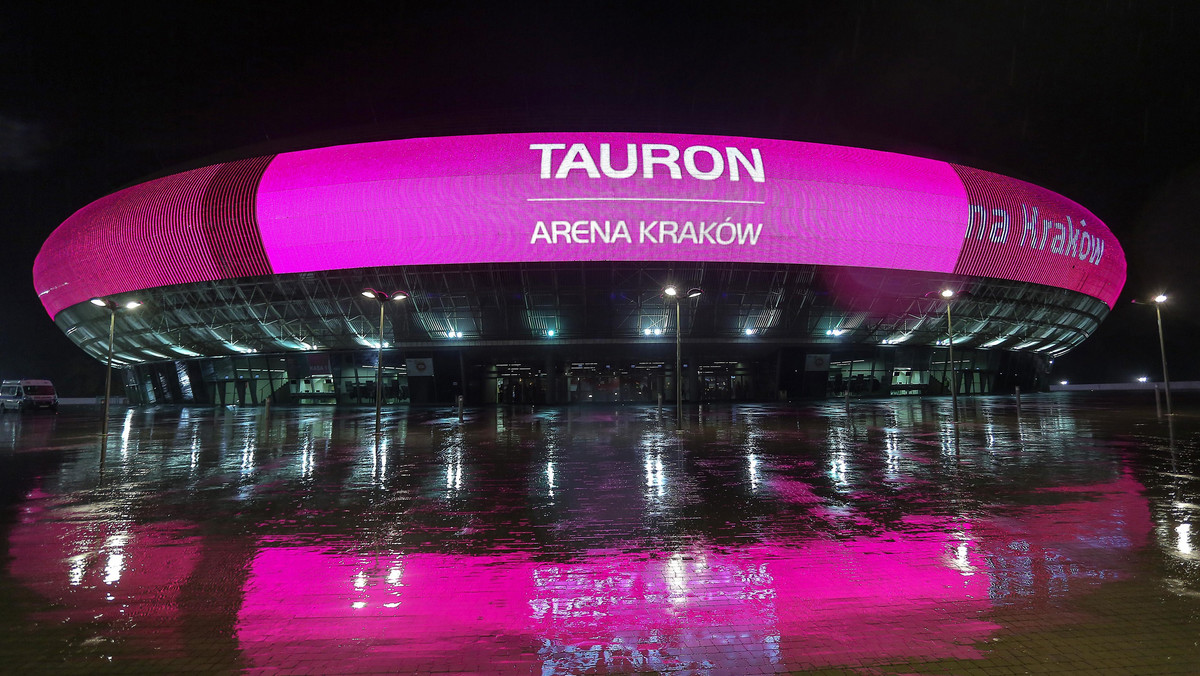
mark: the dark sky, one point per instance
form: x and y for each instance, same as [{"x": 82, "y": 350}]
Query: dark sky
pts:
[{"x": 1099, "y": 101}]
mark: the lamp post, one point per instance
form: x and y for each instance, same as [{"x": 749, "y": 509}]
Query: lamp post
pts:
[
  {"x": 673, "y": 293},
  {"x": 382, "y": 297},
  {"x": 1162, "y": 346},
  {"x": 112, "y": 307},
  {"x": 948, "y": 294}
]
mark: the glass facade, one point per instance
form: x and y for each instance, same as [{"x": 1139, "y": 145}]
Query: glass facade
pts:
[{"x": 583, "y": 332}]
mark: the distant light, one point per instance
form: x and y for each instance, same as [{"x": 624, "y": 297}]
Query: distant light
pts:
[
  {"x": 399, "y": 295},
  {"x": 947, "y": 293},
  {"x": 1062, "y": 382},
  {"x": 1142, "y": 379},
  {"x": 368, "y": 293},
  {"x": 98, "y": 302},
  {"x": 835, "y": 332},
  {"x": 671, "y": 291},
  {"x": 550, "y": 333},
  {"x": 658, "y": 332},
  {"x": 749, "y": 332},
  {"x": 647, "y": 332},
  {"x": 694, "y": 293},
  {"x": 1160, "y": 298},
  {"x": 132, "y": 304},
  {"x": 458, "y": 334}
]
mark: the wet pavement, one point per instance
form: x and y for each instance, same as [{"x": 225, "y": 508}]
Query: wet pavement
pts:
[{"x": 883, "y": 539}]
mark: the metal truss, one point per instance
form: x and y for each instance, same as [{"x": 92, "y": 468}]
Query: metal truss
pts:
[{"x": 507, "y": 304}]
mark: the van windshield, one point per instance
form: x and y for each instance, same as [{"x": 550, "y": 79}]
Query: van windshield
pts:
[{"x": 39, "y": 389}]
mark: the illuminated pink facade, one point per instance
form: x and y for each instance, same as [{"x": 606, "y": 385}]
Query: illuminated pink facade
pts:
[
  {"x": 547, "y": 197},
  {"x": 505, "y": 241}
]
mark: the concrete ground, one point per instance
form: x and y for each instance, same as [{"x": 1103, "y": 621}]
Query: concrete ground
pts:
[{"x": 880, "y": 539}]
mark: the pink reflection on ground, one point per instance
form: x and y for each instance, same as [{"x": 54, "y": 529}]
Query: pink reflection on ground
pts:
[
  {"x": 393, "y": 612},
  {"x": 114, "y": 579},
  {"x": 702, "y": 608},
  {"x": 878, "y": 598},
  {"x": 921, "y": 591},
  {"x": 1047, "y": 551}
]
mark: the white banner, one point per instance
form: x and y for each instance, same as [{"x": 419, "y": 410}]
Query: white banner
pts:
[{"x": 419, "y": 367}]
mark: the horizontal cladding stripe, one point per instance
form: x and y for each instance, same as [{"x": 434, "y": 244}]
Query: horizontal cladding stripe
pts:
[
  {"x": 574, "y": 197},
  {"x": 200, "y": 225},
  {"x": 140, "y": 237},
  {"x": 1020, "y": 231},
  {"x": 229, "y": 214}
]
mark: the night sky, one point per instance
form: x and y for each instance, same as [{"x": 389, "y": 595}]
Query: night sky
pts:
[{"x": 1098, "y": 101}]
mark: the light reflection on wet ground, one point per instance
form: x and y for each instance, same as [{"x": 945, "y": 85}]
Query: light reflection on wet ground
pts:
[{"x": 886, "y": 539}]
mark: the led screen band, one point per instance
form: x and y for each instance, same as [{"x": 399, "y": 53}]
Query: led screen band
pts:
[{"x": 548, "y": 197}]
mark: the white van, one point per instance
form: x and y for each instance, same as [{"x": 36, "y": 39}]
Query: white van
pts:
[{"x": 26, "y": 395}]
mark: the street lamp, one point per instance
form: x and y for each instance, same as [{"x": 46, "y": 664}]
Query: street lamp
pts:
[
  {"x": 948, "y": 294},
  {"x": 1162, "y": 346},
  {"x": 672, "y": 292},
  {"x": 382, "y": 297},
  {"x": 112, "y": 306}
]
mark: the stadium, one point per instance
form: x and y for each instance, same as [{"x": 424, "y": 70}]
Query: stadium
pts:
[{"x": 532, "y": 268}]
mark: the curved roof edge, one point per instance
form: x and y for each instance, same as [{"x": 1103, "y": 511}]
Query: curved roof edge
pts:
[{"x": 575, "y": 196}]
